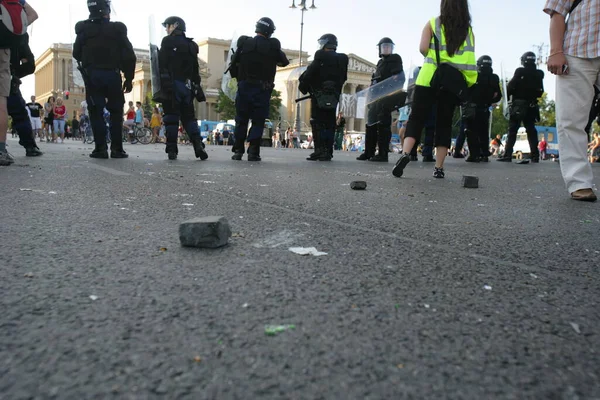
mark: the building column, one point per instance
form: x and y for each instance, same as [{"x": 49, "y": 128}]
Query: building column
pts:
[{"x": 350, "y": 121}]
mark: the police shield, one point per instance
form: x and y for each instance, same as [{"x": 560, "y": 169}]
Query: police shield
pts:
[
  {"x": 380, "y": 99},
  {"x": 154, "y": 67},
  {"x": 229, "y": 83}
]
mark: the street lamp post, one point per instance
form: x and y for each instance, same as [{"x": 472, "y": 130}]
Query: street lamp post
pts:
[{"x": 303, "y": 8}]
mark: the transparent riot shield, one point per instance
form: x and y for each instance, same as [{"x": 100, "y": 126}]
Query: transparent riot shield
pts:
[
  {"x": 410, "y": 88},
  {"x": 228, "y": 83},
  {"x": 381, "y": 99},
  {"x": 154, "y": 67}
]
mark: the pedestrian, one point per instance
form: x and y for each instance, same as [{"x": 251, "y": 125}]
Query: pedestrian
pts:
[
  {"x": 379, "y": 121},
  {"x": 75, "y": 125},
  {"x": 155, "y": 123},
  {"x": 525, "y": 88},
  {"x": 254, "y": 64},
  {"x": 324, "y": 79},
  {"x": 49, "y": 119},
  {"x": 178, "y": 60},
  {"x": 60, "y": 111},
  {"x": 594, "y": 148},
  {"x": 476, "y": 112},
  {"x": 542, "y": 147},
  {"x": 575, "y": 59},
  {"x": 22, "y": 64},
  {"x": 449, "y": 70},
  {"x": 36, "y": 111},
  {"x": 14, "y": 27},
  {"x": 104, "y": 51},
  {"x": 340, "y": 130}
]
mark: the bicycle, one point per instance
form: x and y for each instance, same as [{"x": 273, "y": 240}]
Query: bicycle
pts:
[{"x": 139, "y": 133}]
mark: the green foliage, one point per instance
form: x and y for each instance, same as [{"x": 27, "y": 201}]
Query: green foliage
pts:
[
  {"x": 225, "y": 106},
  {"x": 547, "y": 111},
  {"x": 499, "y": 122},
  {"x": 148, "y": 105},
  {"x": 275, "y": 106}
]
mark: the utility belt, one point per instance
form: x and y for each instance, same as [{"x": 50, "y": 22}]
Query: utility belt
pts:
[
  {"x": 519, "y": 108},
  {"x": 264, "y": 85}
]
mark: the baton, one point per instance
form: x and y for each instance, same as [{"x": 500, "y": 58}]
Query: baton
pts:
[{"x": 303, "y": 98}]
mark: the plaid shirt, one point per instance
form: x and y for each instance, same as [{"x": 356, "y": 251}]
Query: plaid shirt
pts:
[{"x": 582, "y": 37}]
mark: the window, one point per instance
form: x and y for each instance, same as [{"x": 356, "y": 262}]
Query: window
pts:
[{"x": 550, "y": 137}]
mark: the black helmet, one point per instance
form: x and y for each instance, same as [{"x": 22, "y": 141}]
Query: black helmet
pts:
[
  {"x": 328, "y": 41},
  {"x": 265, "y": 26},
  {"x": 528, "y": 58},
  {"x": 484, "y": 62},
  {"x": 387, "y": 44},
  {"x": 178, "y": 22},
  {"x": 98, "y": 8}
]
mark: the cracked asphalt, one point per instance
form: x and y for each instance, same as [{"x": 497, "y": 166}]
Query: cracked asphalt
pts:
[{"x": 428, "y": 290}]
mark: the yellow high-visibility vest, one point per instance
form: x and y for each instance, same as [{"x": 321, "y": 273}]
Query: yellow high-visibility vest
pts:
[{"x": 463, "y": 59}]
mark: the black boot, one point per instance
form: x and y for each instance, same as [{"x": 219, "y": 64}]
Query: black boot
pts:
[
  {"x": 199, "y": 149},
  {"x": 314, "y": 156},
  {"x": 33, "y": 151},
  {"x": 100, "y": 152},
  {"x": 118, "y": 154},
  {"x": 428, "y": 159},
  {"x": 172, "y": 155},
  {"x": 382, "y": 156},
  {"x": 505, "y": 158},
  {"x": 254, "y": 150},
  {"x": 363, "y": 157}
]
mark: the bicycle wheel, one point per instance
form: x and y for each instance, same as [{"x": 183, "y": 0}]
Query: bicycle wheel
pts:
[{"x": 144, "y": 135}]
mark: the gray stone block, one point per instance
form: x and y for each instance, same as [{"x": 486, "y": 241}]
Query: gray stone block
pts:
[
  {"x": 205, "y": 232},
  {"x": 358, "y": 185},
  {"x": 471, "y": 182}
]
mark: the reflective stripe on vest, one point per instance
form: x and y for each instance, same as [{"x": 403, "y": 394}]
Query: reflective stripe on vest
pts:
[{"x": 463, "y": 59}]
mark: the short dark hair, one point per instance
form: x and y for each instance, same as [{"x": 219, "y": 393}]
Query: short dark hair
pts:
[{"x": 138, "y": 103}]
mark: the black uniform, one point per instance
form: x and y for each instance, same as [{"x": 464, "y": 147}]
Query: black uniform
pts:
[
  {"x": 324, "y": 78},
  {"x": 180, "y": 83},
  {"x": 476, "y": 121},
  {"x": 16, "y": 106},
  {"x": 380, "y": 134},
  {"x": 254, "y": 65},
  {"x": 103, "y": 49},
  {"x": 526, "y": 87}
]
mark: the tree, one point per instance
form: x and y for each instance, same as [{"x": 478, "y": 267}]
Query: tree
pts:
[
  {"x": 148, "y": 105},
  {"x": 499, "y": 122},
  {"x": 225, "y": 106},
  {"x": 275, "y": 106},
  {"x": 547, "y": 111}
]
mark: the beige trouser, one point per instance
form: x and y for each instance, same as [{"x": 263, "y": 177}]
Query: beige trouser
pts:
[{"x": 574, "y": 96}]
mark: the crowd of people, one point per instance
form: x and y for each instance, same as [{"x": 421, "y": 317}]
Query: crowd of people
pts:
[{"x": 451, "y": 77}]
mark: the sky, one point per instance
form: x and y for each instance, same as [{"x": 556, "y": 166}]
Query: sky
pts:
[{"x": 503, "y": 29}]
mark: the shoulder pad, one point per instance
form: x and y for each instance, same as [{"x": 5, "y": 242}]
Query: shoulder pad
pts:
[
  {"x": 120, "y": 27},
  {"x": 275, "y": 44},
  {"x": 395, "y": 57},
  {"x": 79, "y": 27},
  {"x": 343, "y": 57},
  {"x": 319, "y": 54},
  {"x": 241, "y": 40},
  {"x": 193, "y": 46},
  {"x": 540, "y": 73}
]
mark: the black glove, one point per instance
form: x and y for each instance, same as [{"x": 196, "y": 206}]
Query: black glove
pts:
[
  {"x": 127, "y": 86},
  {"x": 15, "y": 85},
  {"x": 198, "y": 93}
]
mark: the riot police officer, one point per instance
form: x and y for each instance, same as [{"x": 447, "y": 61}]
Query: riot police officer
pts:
[
  {"x": 324, "y": 79},
  {"x": 476, "y": 114},
  {"x": 526, "y": 87},
  {"x": 254, "y": 64},
  {"x": 380, "y": 133},
  {"x": 22, "y": 63},
  {"x": 103, "y": 50},
  {"x": 180, "y": 84}
]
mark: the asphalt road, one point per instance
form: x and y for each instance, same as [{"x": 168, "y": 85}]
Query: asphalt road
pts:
[{"x": 428, "y": 290}]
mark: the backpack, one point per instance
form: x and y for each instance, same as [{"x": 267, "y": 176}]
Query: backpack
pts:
[{"x": 13, "y": 22}]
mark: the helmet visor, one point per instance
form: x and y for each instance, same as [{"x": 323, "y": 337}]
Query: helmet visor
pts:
[
  {"x": 322, "y": 43},
  {"x": 386, "y": 49}
]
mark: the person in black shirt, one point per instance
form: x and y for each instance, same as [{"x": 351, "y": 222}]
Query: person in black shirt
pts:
[
  {"x": 104, "y": 51},
  {"x": 324, "y": 79},
  {"x": 254, "y": 65},
  {"x": 340, "y": 125},
  {"x": 525, "y": 88},
  {"x": 35, "y": 111}
]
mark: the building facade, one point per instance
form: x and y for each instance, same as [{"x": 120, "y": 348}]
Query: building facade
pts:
[{"x": 54, "y": 77}]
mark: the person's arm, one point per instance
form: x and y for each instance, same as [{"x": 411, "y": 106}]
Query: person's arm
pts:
[
  {"x": 426, "y": 36},
  {"x": 32, "y": 15},
  {"x": 557, "y": 59}
]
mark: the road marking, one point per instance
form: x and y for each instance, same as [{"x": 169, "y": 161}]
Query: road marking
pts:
[{"x": 111, "y": 171}]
